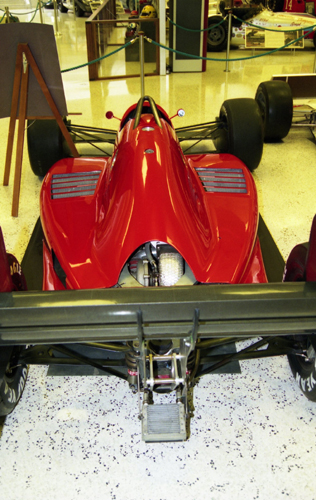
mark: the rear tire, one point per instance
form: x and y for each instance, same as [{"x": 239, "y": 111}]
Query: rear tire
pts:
[
  {"x": 241, "y": 133},
  {"x": 13, "y": 373},
  {"x": 276, "y": 104},
  {"x": 217, "y": 37},
  {"x": 303, "y": 368},
  {"x": 46, "y": 145},
  {"x": 12, "y": 381}
]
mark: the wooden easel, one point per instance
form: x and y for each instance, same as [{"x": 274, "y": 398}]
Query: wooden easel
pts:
[{"x": 24, "y": 60}]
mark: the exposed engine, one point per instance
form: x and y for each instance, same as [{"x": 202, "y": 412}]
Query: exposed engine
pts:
[{"x": 157, "y": 264}]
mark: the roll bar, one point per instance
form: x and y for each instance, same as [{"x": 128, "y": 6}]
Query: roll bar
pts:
[{"x": 153, "y": 108}]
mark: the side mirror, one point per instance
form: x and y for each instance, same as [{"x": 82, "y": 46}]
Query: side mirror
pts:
[
  {"x": 180, "y": 113},
  {"x": 109, "y": 115}
]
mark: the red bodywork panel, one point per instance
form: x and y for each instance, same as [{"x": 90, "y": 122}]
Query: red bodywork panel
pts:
[
  {"x": 5, "y": 275},
  {"x": 311, "y": 256},
  {"x": 150, "y": 191}
]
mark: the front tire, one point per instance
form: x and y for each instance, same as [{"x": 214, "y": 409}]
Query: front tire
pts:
[
  {"x": 217, "y": 36},
  {"x": 240, "y": 131},
  {"x": 276, "y": 104}
]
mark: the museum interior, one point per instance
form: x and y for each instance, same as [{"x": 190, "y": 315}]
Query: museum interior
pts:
[{"x": 77, "y": 432}]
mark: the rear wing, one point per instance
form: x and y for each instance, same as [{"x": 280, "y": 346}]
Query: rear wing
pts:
[{"x": 210, "y": 311}]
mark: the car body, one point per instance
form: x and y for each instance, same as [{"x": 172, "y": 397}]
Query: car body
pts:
[
  {"x": 140, "y": 245},
  {"x": 261, "y": 17},
  {"x": 145, "y": 176}
]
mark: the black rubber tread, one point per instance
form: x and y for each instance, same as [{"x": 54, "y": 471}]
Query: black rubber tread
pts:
[
  {"x": 46, "y": 145},
  {"x": 304, "y": 372},
  {"x": 303, "y": 369},
  {"x": 242, "y": 133},
  {"x": 276, "y": 104},
  {"x": 217, "y": 37},
  {"x": 13, "y": 373},
  {"x": 12, "y": 381}
]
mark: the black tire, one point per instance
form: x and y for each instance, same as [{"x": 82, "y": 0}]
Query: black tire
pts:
[
  {"x": 240, "y": 132},
  {"x": 79, "y": 12},
  {"x": 217, "y": 37},
  {"x": 12, "y": 379},
  {"x": 46, "y": 145},
  {"x": 13, "y": 373},
  {"x": 276, "y": 104},
  {"x": 62, "y": 7},
  {"x": 303, "y": 368}
]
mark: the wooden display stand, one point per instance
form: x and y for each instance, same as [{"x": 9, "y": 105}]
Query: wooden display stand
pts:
[{"x": 25, "y": 60}]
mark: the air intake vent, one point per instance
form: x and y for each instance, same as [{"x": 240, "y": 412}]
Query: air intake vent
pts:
[
  {"x": 76, "y": 184},
  {"x": 223, "y": 180}
]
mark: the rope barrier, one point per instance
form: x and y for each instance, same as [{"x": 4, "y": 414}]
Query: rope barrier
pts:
[
  {"x": 12, "y": 14},
  {"x": 230, "y": 60},
  {"x": 37, "y": 8},
  {"x": 184, "y": 53},
  {"x": 198, "y": 31},
  {"x": 21, "y": 13},
  {"x": 100, "y": 58}
]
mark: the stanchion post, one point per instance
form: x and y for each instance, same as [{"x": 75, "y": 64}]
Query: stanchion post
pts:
[
  {"x": 142, "y": 62},
  {"x": 56, "y": 18},
  {"x": 40, "y": 6},
  {"x": 228, "y": 38}
]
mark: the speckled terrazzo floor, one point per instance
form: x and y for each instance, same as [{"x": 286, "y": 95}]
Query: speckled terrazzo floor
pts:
[{"x": 253, "y": 435}]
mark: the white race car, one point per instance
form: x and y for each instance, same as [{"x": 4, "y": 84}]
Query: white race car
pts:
[{"x": 243, "y": 33}]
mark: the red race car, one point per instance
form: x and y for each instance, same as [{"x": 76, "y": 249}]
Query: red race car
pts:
[{"x": 132, "y": 244}]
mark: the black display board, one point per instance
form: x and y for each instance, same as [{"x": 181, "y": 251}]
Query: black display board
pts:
[{"x": 41, "y": 41}]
